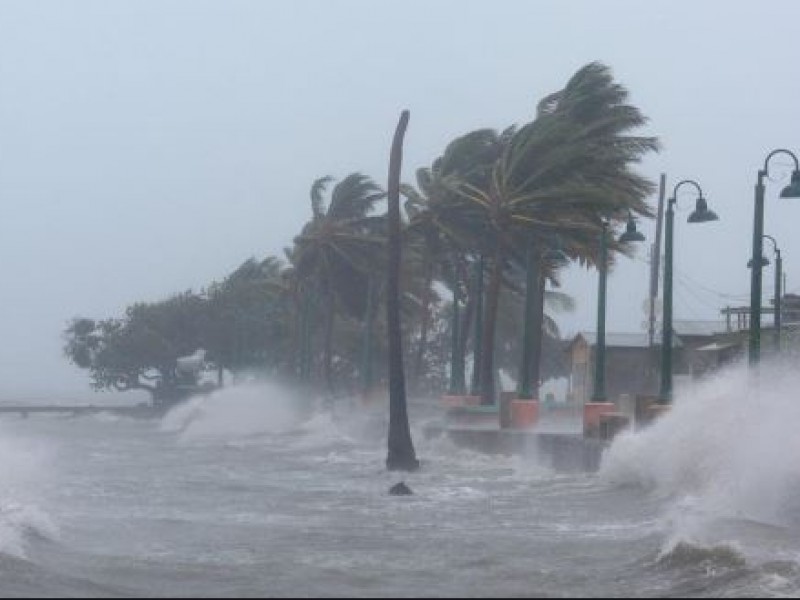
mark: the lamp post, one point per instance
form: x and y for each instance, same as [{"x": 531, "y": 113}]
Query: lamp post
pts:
[
  {"x": 701, "y": 214},
  {"x": 790, "y": 191},
  {"x": 630, "y": 235},
  {"x": 778, "y": 290}
]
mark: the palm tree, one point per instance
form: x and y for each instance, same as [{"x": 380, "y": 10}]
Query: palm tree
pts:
[
  {"x": 561, "y": 173},
  {"x": 509, "y": 349},
  {"x": 401, "y": 455},
  {"x": 336, "y": 251},
  {"x": 246, "y": 317},
  {"x": 424, "y": 242},
  {"x": 442, "y": 240}
]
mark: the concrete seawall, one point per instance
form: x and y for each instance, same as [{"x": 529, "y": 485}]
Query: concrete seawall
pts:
[
  {"x": 562, "y": 452},
  {"x": 139, "y": 411}
]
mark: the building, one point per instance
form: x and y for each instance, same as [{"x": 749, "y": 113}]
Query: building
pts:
[{"x": 633, "y": 365}]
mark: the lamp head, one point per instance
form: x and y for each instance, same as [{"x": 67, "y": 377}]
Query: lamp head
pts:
[
  {"x": 701, "y": 213},
  {"x": 631, "y": 234},
  {"x": 764, "y": 262},
  {"x": 793, "y": 189}
]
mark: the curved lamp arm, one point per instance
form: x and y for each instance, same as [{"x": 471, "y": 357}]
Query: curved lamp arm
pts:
[
  {"x": 692, "y": 182},
  {"x": 774, "y": 244},
  {"x": 780, "y": 151}
]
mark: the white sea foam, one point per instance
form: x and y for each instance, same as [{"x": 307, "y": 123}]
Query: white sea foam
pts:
[
  {"x": 726, "y": 458},
  {"x": 23, "y": 471},
  {"x": 236, "y": 412}
]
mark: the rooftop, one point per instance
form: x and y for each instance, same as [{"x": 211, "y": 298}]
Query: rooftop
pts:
[
  {"x": 699, "y": 328},
  {"x": 623, "y": 340}
]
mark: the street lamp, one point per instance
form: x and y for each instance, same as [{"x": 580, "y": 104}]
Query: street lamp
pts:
[
  {"x": 778, "y": 291},
  {"x": 630, "y": 235},
  {"x": 790, "y": 191},
  {"x": 701, "y": 214}
]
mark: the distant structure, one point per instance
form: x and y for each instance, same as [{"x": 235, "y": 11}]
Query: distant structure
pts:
[
  {"x": 698, "y": 347},
  {"x": 193, "y": 363}
]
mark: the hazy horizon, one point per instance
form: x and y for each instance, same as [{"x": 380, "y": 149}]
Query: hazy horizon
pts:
[{"x": 147, "y": 148}]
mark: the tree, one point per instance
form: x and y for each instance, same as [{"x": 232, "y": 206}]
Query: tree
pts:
[
  {"x": 509, "y": 349},
  {"x": 141, "y": 350},
  {"x": 563, "y": 173},
  {"x": 443, "y": 241},
  {"x": 248, "y": 316},
  {"x": 401, "y": 455},
  {"x": 337, "y": 250}
]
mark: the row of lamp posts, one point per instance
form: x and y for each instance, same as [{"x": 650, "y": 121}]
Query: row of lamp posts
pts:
[{"x": 701, "y": 214}]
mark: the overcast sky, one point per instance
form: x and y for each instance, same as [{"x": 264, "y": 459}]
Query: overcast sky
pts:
[{"x": 150, "y": 147}]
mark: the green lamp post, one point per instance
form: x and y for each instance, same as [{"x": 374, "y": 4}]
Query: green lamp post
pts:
[
  {"x": 701, "y": 214},
  {"x": 790, "y": 191},
  {"x": 630, "y": 235},
  {"x": 778, "y": 287}
]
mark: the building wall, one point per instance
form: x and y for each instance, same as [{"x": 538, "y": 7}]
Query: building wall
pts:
[
  {"x": 628, "y": 371},
  {"x": 580, "y": 372}
]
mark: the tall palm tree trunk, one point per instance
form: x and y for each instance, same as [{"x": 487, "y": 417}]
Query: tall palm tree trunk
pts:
[
  {"x": 489, "y": 326},
  {"x": 538, "y": 334},
  {"x": 465, "y": 326},
  {"x": 329, "y": 317},
  {"x": 427, "y": 297},
  {"x": 401, "y": 455},
  {"x": 477, "y": 344},
  {"x": 369, "y": 321},
  {"x": 465, "y": 329},
  {"x": 299, "y": 342}
]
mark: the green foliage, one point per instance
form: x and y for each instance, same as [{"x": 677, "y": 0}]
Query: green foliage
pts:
[
  {"x": 248, "y": 318},
  {"x": 140, "y": 350},
  {"x": 491, "y": 193}
]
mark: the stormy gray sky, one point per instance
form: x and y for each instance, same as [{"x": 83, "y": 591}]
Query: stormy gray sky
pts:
[{"x": 150, "y": 147}]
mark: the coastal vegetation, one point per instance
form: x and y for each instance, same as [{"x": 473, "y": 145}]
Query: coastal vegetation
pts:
[{"x": 480, "y": 227}]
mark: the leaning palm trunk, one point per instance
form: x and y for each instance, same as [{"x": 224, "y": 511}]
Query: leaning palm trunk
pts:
[
  {"x": 401, "y": 455},
  {"x": 464, "y": 330},
  {"x": 369, "y": 322},
  {"x": 489, "y": 324},
  {"x": 427, "y": 297},
  {"x": 538, "y": 333},
  {"x": 464, "y": 326},
  {"x": 298, "y": 366},
  {"x": 329, "y": 346},
  {"x": 477, "y": 345}
]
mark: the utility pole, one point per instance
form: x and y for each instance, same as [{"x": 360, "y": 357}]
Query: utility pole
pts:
[
  {"x": 655, "y": 261},
  {"x": 655, "y": 265}
]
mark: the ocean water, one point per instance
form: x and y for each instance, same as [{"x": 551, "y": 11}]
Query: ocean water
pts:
[{"x": 250, "y": 493}]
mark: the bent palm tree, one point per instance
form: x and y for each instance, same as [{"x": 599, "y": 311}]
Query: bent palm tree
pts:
[
  {"x": 564, "y": 173},
  {"x": 338, "y": 249}
]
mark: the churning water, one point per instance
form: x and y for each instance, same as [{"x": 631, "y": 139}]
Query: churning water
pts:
[{"x": 251, "y": 492}]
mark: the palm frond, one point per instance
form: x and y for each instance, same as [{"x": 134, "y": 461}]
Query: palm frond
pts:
[
  {"x": 317, "y": 190},
  {"x": 354, "y": 196}
]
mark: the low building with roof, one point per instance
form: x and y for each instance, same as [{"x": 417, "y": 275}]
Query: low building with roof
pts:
[{"x": 633, "y": 364}]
